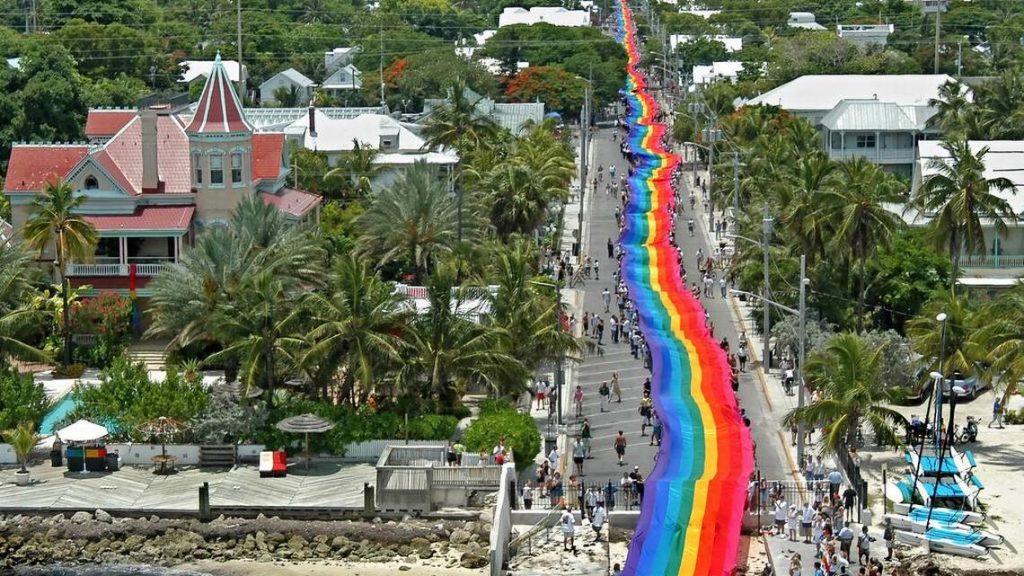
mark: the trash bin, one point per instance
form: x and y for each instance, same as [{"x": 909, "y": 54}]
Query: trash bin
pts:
[
  {"x": 113, "y": 462},
  {"x": 56, "y": 457}
]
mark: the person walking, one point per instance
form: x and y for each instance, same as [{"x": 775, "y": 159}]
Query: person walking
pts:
[
  {"x": 586, "y": 434},
  {"x": 597, "y": 520},
  {"x": 741, "y": 355},
  {"x": 781, "y": 510},
  {"x": 689, "y": 226},
  {"x": 845, "y": 540},
  {"x": 604, "y": 393},
  {"x": 620, "y": 447},
  {"x": 889, "y": 535},
  {"x": 792, "y": 522},
  {"x": 611, "y": 248},
  {"x": 646, "y": 406},
  {"x": 722, "y": 286},
  {"x": 606, "y": 297},
  {"x": 806, "y": 521},
  {"x": 997, "y": 414},
  {"x": 542, "y": 392},
  {"x": 864, "y": 547},
  {"x": 655, "y": 429},
  {"x": 600, "y": 330},
  {"x": 577, "y": 398},
  {"x": 579, "y": 453},
  {"x": 527, "y": 495},
  {"x": 616, "y": 389},
  {"x": 568, "y": 522},
  {"x": 597, "y": 270},
  {"x": 590, "y": 501}
]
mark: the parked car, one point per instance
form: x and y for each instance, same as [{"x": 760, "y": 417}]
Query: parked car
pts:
[{"x": 971, "y": 385}]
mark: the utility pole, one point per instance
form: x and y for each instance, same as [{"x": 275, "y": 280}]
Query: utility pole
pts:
[
  {"x": 801, "y": 356},
  {"x": 938, "y": 27},
  {"x": 584, "y": 145},
  {"x": 238, "y": 30},
  {"x": 735, "y": 185},
  {"x": 766, "y": 226},
  {"x": 381, "y": 68},
  {"x": 959, "y": 58}
]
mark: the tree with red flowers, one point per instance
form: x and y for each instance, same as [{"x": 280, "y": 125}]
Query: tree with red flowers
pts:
[{"x": 560, "y": 91}]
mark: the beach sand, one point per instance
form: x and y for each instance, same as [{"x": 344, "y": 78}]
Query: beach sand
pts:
[{"x": 253, "y": 568}]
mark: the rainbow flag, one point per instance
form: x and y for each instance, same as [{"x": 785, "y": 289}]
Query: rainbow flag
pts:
[{"x": 695, "y": 497}]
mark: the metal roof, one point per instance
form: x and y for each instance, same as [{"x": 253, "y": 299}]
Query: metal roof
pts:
[
  {"x": 869, "y": 115},
  {"x": 824, "y": 92},
  {"x": 296, "y": 77}
]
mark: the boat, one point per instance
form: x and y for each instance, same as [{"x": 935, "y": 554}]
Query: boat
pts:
[
  {"x": 949, "y": 515},
  {"x": 944, "y": 543},
  {"x": 956, "y": 463},
  {"x": 936, "y": 491},
  {"x": 920, "y": 524}
]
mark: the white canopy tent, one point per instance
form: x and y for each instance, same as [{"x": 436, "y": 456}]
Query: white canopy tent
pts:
[{"x": 82, "y": 431}]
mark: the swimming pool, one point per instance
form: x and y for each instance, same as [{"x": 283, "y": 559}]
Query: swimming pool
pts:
[{"x": 59, "y": 412}]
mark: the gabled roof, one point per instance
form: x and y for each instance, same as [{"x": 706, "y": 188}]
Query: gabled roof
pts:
[
  {"x": 176, "y": 218},
  {"x": 292, "y": 202},
  {"x": 824, "y": 92},
  {"x": 219, "y": 110},
  {"x": 267, "y": 151},
  {"x": 105, "y": 123},
  {"x": 293, "y": 76},
  {"x": 870, "y": 115},
  {"x": 555, "y": 15},
  {"x": 32, "y": 167},
  {"x": 347, "y": 77},
  {"x": 173, "y": 162}
]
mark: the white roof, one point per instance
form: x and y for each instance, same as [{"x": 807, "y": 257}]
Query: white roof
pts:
[
  {"x": 556, "y": 16},
  {"x": 197, "y": 68},
  {"x": 732, "y": 44},
  {"x": 872, "y": 115},
  {"x": 294, "y": 76},
  {"x": 716, "y": 71},
  {"x": 803, "y": 20},
  {"x": 1005, "y": 159},
  {"x": 82, "y": 431},
  {"x": 339, "y": 135},
  {"x": 824, "y": 92},
  {"x": 705, "y": 14}
]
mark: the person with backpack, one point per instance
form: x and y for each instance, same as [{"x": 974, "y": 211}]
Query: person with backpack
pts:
[{"x": 604, "y": 393}]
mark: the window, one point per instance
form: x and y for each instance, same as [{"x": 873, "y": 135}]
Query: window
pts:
[
  {"x": 91, "y": 183},
  {"x": 865, "y": 141},
  {"x": 837, "y": 141},
  {"x": 236, "y": 167},
  {"x": 216, "y": 169},
  {"x": 197, "y": 166}
]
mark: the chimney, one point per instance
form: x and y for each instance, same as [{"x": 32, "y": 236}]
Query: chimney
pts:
[
  {"x": 312, "y": 120},
  {"x": 150, "y": 175}
]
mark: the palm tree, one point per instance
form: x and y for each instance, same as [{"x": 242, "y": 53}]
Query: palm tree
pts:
[
  {"x": 959, "y": 196},
  {"x": 1002, "y": 104},
  {"x": 286, "y": 96},
  {"x": 449, "y": 350},
  {"x": 53, "y": 222},
  {"x": 457, "y": 123},
  {"x": 415, "y": 220},
  {"x": 188, "y": 295},
  {"x": 846, "y": 373},
  {"x": 17, "y": 315},
  {"x": 1000, "y": 332},
  {"x": 357, "y": 169},
  {"x": 261, "y": 325},
  {"x": 357, "y": 325},
  {"x": 857, "y": 207},
  {"x": 813, "y": 174},
  {"x": 955, "y": 115},
  {"x": 959, "y": 352}
]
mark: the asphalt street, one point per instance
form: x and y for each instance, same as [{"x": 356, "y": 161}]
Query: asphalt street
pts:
[{"x": 595, "y": 369}]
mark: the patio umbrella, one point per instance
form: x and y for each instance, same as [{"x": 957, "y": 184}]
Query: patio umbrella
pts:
[
  {"x": 305, "y": 424},
  {"x": 162, "y": 427},
  {"x": 82, "y": 431}
]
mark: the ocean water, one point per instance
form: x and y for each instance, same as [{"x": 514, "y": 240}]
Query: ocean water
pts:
[{"x": 104, "y": 570}]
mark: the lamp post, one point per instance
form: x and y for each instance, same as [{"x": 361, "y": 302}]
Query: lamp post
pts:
[
  {"x": 584, "y": 153},
  {"x": 941, "y": 380},
  {"x": 801, "y": 314}
]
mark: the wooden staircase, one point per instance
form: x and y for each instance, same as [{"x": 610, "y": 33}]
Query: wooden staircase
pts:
[{"x": 217, "y": 456}]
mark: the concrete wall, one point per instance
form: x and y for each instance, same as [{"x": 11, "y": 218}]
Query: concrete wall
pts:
[
  {"x": 142, "y": 454},
  {"x": 501, "y": 527}
]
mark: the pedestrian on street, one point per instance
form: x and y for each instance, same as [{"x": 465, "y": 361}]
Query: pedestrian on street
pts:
[
  {"x": 597, "y": 270},
  {"x": 655, "y": 429},
  {"x": 616, "y": 389},
  {"x": 845, "y": 540},
  {"x": 597, "y": 520},
  {"x": 542, "y": 392},
  {"x": 721, "y": 286},
  {"x": 579, "y": 454},
  {"x": 781, "y": 510},
  {"x": 568, "y": 522},
  {"x": 889, "y": 536},
  {"x": 806, "y": 520},
  {"x": 849, "y": 496},
  {"x": 590, "y": 501},
  {"x": 600, "y": 330},
  {"x": 577, "y": 398},
  {"x": 586, "y": 323},
  {"x": 741, "y": 356},
  {"x": 646, "y": 406},
  {"x": 835, "y": 480},
  {"x": 620, "y": 447},
  {"x": 611, "y": 248},
  {"x": 604, "y": 393},
  {"x": 997, "y": 414},
  {"x": 527, "y": 495},
  {"x": 586, "y": 434},
  {"x": 606, "y": 297},
  {"x": 792, "y": 522},
  {"x": 613, "y": 321},
  {"x": 864, "y": 547},
  {"x": 689, "y": 227}
]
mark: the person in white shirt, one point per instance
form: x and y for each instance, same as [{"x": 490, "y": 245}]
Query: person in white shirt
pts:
[
  {"x": 553, "y": 458},
  {"x": 527, "y": 495},
  {"x": 781, "y": 508},
  {"x": 597, "y": 520},
  {"x": 806, "y": 522},
  {"x": 568, "y": 523}
]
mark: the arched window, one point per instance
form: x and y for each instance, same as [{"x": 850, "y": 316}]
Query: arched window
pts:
[{"x": 91, "y": 183}]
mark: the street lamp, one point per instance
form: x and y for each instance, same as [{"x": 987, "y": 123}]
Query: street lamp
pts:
[
  {"x": 940, "y": 382},
  {"x": 801, "y": 314}
]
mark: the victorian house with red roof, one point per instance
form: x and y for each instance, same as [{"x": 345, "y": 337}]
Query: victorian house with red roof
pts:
[{"x": 155, "y": 178}]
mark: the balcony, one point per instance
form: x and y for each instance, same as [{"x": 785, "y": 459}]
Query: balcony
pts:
[
  {"x": 876, "y": 155},
  {"x": 991, "y": 261},
  {"x": 109, "y": 266}
]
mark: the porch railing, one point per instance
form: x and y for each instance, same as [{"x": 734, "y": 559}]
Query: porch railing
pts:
[
  {"x": 991, "y": 261},
  {"x": 148, "y": 267}
]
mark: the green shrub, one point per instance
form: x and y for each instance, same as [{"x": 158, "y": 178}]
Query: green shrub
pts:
[
  {"x": 432, "y": 427},
  {"x": 492, "y": 406},
  {"x": 108, "y": 317},
  {"x": 519, "y": 430},
  {"x": 1014, "y": 417},
  {"x": 21, "y": 400},
  {"x": 125, "y": 399}
]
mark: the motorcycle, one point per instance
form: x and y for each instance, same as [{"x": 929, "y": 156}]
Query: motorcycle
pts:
[{"x": 969, "y": 433}]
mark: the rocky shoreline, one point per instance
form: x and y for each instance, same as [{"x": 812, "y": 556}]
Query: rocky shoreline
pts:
[{"x": 99, "y": 538}]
